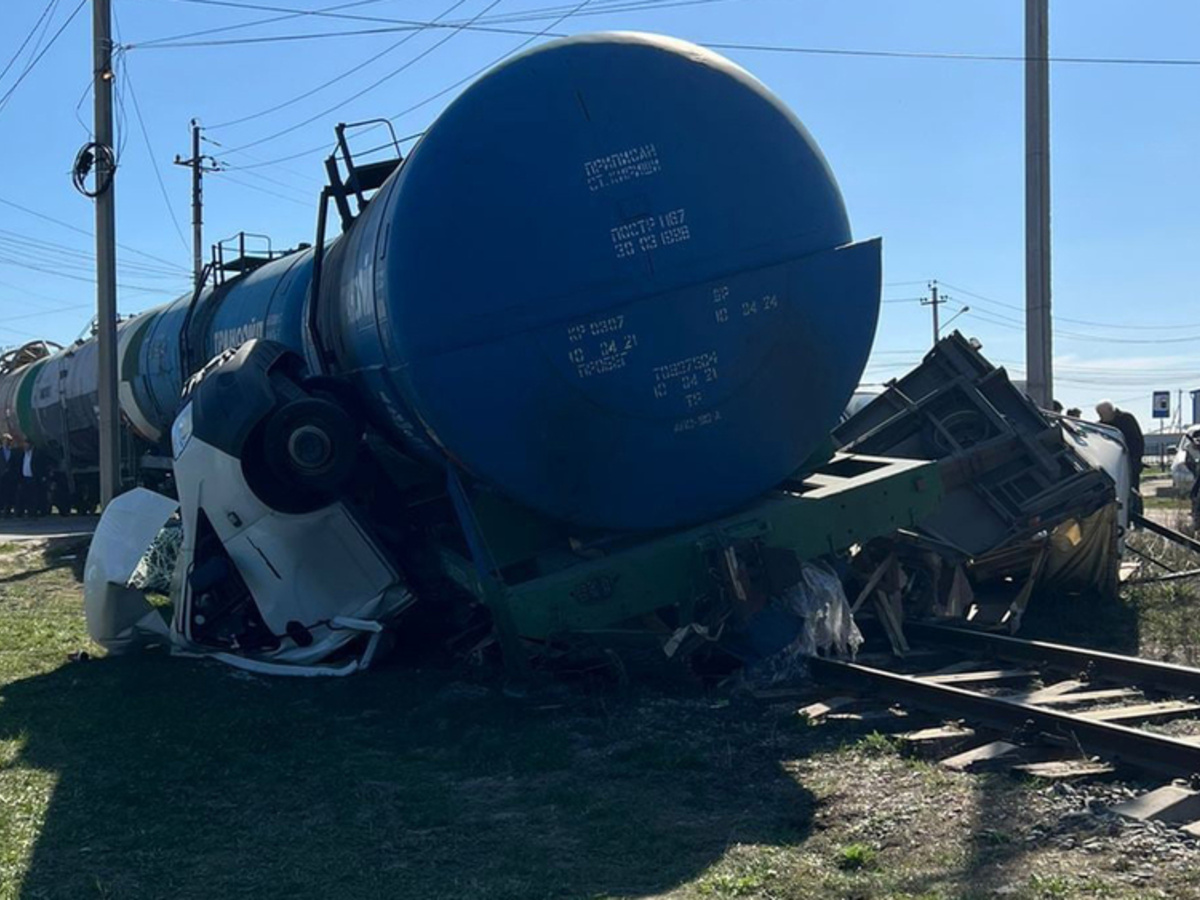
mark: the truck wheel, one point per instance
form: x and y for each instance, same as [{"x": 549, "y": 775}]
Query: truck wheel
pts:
[{"x": 312, "y": 444}]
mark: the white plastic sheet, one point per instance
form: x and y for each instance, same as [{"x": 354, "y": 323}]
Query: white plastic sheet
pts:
[{"x": 119, "y": 618}]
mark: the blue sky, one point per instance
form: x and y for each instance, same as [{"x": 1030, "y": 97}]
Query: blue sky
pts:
[{"x": 929, "y": 153}]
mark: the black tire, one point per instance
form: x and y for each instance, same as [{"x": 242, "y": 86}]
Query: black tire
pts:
[{"x": 312, "y": 444}]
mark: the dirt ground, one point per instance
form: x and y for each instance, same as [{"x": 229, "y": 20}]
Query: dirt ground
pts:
[{"x": 153, "y": 777}]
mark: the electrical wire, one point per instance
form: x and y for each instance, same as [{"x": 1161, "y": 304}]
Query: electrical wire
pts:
[
  {"x": 1121, "y": 326},
  {"x": 65, "y": 253},
  {"x": 609, "y": 7},
  {"x": 162, "y": 187},
  {"x": 326, "y": 35},
  {"x": 517, "y": 49},
  {"x": 955, "y": 57},
  {"x": 263, "y": 190},
  {"x": 332, "y": 81},
  {"x": 388, "y": 77},
  {"x": 33, "y": 63},
  {"x": 221, "y": 29},
  {"x": 53, "y": 4},
  {"x": 84, "y": 231}
]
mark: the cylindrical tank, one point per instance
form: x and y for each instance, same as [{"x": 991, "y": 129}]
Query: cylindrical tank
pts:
[{"x": 613, "y": 280}]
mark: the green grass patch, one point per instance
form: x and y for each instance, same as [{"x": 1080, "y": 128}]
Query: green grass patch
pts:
[{"x": 855, "y": 857}]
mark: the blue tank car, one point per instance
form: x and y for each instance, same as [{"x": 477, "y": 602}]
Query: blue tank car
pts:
[{"x": 614, "y": 281}]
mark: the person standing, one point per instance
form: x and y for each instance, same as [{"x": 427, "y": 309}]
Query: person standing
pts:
[
  {"x": 10, "y": 473},
  {"x": 1135, "y": 443},
  {"x": 31, "y": 489}
]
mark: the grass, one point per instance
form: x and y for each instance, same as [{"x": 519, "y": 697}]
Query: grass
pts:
[
  {"x": 854, "y": 857},
  {"x": 148, "y": 777}
]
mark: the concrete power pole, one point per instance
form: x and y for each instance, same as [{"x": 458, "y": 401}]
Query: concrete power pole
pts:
[
  {"x": 1039, "y": 349},
  {"x": 934, "y": 301},
  {"x": 106, "y": 252},
  {"x": 196, "y": 164}
]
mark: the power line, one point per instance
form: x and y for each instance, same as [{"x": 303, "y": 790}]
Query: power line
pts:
[
  {"x": 77, "y": 229},
  {"x": 1116, "y": 325},
  {"x": 33, "y": 63},
  {"x": 332, "y": 81},
  {"x": 955, "y": 57},
  {"x": 32, "y": 31},
  {"x": 424, "y": 53},
  {"x": 416, "y": 27},
  {"x": 267, "y": 21},
  {"x": 263, "y": 190},
  {"x": 153, "y": 161},
  {"x": 609, "y": 7},
  {"x": 521, "y": 46},
  {"x": 68, "y": 256}
]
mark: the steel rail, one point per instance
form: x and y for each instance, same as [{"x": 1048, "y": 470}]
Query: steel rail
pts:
[
  {"x": 1097, "y": 664},
  {"x": 1144, "y": 749},
  {"x": 1163, "y": 531}
]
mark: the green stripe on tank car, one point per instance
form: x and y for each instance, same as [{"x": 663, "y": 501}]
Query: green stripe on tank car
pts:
[
  {"x": 25, "y": 417},
  {"x": 130, "y": 362}
]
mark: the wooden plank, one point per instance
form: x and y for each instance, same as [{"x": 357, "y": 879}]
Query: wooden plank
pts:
[
  {"x": 979, "y": 677},
  {"x": 1090, "y": 697},
  {"x": 868, "y": 716},
  {"x": 1145, "y": 712},
  {"x": 981, "y": 756},
  {"x": 1050, "y": 690},
  {"x": 1060, "y": 769},
  {"x": 891, "y": 624},
  {"x": 927, "y": 742},
  {"x": 963, "y": 665},
  {"x": 872, "y": 582},
  {"x": 882, "y": 659},
  {"x": 1170, "y": 803},
  {"x": 817, "y": 711}
]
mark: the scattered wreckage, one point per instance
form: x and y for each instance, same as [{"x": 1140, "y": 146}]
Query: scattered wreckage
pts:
[{"x": 949, "y": 494}]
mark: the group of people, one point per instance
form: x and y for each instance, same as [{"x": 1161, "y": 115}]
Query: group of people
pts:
[{"x": 24, "y": 479}]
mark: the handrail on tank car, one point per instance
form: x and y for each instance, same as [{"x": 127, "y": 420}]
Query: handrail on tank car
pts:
[{"x": 27, "y": 353}]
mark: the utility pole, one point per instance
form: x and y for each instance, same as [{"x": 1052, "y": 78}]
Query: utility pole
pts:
[
  {"x": 106, "y": 252},
  {"x": 196, "y": 164},
  {"x": 1039, "y": 354},
  {"x": 934, "y": 301}
]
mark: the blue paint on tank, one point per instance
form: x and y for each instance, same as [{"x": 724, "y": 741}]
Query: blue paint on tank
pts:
[{"x": 614, "y": 280}]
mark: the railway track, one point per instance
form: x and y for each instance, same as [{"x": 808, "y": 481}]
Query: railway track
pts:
[{"x": 1087, "y": 703}]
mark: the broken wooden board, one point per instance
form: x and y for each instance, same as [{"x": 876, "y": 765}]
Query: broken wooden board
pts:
[
  {"x": 1089, "y": 697},
  {"x": 1051, "y": 690},
  {"x": 980, "y": 677},
  {"x": 1060, "y": 769},
  {"x": 978, "y": 757},
  {"x": 1144, "y": 712},
  {"x": 929, "y": 742},
  {"x": 814, "y": 712},
  {"x": 1170, "y": 803}
]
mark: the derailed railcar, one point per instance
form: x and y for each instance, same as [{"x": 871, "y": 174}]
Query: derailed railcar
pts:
[{"x": 584, "y": 338}]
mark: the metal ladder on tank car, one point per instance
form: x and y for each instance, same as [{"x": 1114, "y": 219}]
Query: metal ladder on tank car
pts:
[
  {"x": 361, "y": 180},
  {"x": 230, "y": 259}
]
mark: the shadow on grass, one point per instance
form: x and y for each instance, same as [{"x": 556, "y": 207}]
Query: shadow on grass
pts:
[{"x": 183, "y": 779}]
